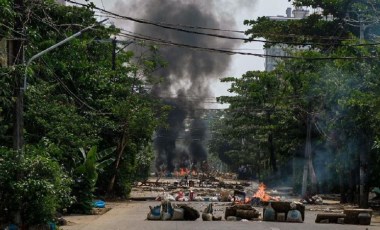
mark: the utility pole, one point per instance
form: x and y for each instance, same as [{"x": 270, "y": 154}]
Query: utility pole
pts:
[
  {"x": 364, "y": 152},
  {"x": 363, "y": 187},
  {"x": 16, "y": 57},
  {"x": 114, "y": 43}
]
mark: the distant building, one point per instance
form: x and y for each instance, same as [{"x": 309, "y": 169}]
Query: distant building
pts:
[{"x": 279, "y": 50}]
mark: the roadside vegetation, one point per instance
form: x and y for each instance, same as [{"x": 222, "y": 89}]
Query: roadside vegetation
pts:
[
  {"x": 313, "y": 122},
  {"x": 88, "y": 120}
]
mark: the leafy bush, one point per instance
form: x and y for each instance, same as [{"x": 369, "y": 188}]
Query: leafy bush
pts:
[
  {"x": 85, "y": 176},
  {"x": 33, "y": 185}
]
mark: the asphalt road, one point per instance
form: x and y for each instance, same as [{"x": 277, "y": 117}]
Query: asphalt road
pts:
[{"x": 132, "y": 215}]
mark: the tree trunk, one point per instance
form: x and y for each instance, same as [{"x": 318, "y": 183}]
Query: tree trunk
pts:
[
  {"x": 16, "y": 57},
  {"x": 272, "y": 153},
  {"x": 342, "y": 188},
  {"x": 271, "y": 145},
  {"x": 119, "y": 153},
  {"x": 295, "y": 167},
  {"x": 363, "y": 172},
  {"x": 313, "y": 176},
  {"x": 307, "y": 157}
]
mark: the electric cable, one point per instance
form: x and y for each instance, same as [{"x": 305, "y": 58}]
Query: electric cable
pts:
[{"x": 229, "y": 52}]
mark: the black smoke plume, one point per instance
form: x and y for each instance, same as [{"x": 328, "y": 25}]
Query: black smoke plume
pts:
[{"x": 187, "y": 78}]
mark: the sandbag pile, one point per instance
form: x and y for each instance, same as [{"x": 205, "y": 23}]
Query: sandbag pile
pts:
[
  {"x": 241, "y": 211},
  {"x": 166, "y": 211},
  {"x": 284, "y": 211},
  {"x": 207, "y": 214}
]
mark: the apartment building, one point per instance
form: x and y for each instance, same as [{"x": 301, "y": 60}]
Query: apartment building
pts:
[{"x": 280, "y": 50}]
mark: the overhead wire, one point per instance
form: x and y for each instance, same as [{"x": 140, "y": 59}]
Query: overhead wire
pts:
[
  {"x": 115, "y": 15},
  {"x": 239, "y": 31},
  {"x": 229, "y": 52},
  {"x": 175, "y": 27},
  {"x": 66, "y": 88}
]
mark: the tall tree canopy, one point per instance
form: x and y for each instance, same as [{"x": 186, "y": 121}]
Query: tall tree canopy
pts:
[
  {"x": 80, "y": 97},
  {"x": 328, "y": 92}
]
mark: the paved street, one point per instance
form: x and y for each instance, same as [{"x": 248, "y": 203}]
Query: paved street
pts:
[{"x": 132, "y": 215}]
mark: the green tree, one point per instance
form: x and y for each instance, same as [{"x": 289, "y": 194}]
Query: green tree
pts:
[
  {"x": 257, "y": 117},
  {"x": 317, "y": 101},
  {"x": 33, "y": 185},
  {"x": 76, "y": 99},
  {"x": 87, "y": 102}
]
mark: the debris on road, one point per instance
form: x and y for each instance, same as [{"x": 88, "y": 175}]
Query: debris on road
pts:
[{"x": 349, "y": 216}]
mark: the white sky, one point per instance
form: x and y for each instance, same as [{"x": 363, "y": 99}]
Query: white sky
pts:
[{"x": 240, "y": 64}]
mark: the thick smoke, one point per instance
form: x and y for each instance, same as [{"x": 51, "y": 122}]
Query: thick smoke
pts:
[{"x": 186, "y": 80}]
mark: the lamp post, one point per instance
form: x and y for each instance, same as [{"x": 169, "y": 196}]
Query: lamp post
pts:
[{"x": 20, "y": 105}]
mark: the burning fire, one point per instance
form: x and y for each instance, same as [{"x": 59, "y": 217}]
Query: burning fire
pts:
[
  {"x": 185, "y": 171},
  {"x": 263, "y": 195}
]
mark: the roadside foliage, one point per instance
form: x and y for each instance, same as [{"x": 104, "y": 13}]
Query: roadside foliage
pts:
[
  {"x": 313, "y": 121},
  {"x": 88, "y": 120}
]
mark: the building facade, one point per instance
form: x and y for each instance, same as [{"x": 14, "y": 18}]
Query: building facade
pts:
[{"x": 280, "y": 50}]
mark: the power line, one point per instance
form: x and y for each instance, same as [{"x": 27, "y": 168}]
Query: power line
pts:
[
  {"x": 64, "y": 86},
  {"x": 103, "y": 4},
  {"x": 172, "y": 26},
  {"x": 238, "y": 31},
  {"x": 158, "y": 23},
  {"x": 175, "y": 27},
  {"x": 229, "y": 52}
]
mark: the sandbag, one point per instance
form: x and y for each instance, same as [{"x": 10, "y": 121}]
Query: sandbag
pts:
[
  {"x": 150, "y": 216},
  {"x": 294, "y": 216},
  {"x": 243, "y": 206},
  {"x": 167, "y": 210},
  {"x": 209, "y": 209},
  {"x": 156, "y": 210},
  {"x": 230, "y": 211},
  {"x": 269, "y": 213},
  {"x": 166, "y": 216},
  {"x": 189, "y": 212},
  {"x": 247, "y": 214},
  {"x": 178, "y": 214},
  {"x": 206, "y": 216}
]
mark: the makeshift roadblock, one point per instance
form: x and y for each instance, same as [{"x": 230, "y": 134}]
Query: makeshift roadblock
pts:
[
  {"x": 349, "y": 216},
  {"x": 167, "y": 211}
]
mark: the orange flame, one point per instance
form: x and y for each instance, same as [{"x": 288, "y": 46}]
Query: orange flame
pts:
[
  {"x": 182, "y": 171},
  {"x": 260, "y": 193}
]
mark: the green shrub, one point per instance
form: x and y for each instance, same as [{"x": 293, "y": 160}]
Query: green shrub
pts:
[
  {"x": 33, "y": 185},
  {"x": 85, "y": 176}
]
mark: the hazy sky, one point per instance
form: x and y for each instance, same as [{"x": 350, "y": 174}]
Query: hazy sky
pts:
[{"x": 239, "y": 10}]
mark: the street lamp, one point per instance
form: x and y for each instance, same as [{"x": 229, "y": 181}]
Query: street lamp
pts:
[
  {"x": 20, "y": 100},
  {"x": 53, "y": 47}
]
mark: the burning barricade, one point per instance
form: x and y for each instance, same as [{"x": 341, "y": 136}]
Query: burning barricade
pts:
[
  {"x": 262, "y": 196},
  {"x": 277, "y": 210},
  {"x": 274, "y": 209}
]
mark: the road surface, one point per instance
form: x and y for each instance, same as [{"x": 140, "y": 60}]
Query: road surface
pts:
[{"x": 132, "y": 215}]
